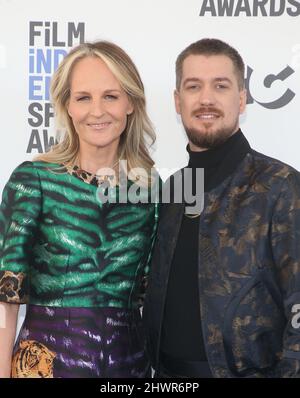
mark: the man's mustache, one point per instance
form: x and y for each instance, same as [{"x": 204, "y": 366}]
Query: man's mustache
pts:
[{"x": 204, "y": 110}]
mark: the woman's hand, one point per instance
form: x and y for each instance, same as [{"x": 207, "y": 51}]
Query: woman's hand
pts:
[{"x": 8, "y": 323}]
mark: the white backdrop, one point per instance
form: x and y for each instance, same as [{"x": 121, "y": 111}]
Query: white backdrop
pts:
[{"x": 153, "y": 33}]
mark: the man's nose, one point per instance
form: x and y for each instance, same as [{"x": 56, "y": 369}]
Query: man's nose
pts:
[{"x": 206, "y": 96}]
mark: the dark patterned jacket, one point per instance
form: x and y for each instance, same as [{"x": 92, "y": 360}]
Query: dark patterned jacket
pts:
[{"x": 249, "y": 271}]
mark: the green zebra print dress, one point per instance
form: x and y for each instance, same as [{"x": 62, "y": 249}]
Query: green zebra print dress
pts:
[{"x": 80, "y": 265}]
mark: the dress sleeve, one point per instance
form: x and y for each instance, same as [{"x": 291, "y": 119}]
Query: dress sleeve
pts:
[{"x": 19, "y": 214}]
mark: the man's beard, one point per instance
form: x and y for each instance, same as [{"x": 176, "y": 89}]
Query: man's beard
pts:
[{"x": 208, "y": 137}]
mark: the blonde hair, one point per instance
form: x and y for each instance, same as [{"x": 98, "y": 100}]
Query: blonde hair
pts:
[{"x": 139, "y": 133}]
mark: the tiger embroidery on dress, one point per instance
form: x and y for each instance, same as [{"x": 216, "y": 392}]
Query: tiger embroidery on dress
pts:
[{"x": 33, "y": 360}]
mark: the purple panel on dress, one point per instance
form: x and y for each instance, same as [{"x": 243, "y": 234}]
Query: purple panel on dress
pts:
[{"x": 80, "y": 342}]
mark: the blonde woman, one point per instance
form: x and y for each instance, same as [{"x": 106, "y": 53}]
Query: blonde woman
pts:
[{"x": 78, "y": 262}]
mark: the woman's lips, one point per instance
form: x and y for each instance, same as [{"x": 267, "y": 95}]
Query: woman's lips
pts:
[{"x": 99, "y": 126}]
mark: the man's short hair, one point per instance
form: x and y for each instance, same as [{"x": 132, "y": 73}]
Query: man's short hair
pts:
[{"x": 209, "y": 47}]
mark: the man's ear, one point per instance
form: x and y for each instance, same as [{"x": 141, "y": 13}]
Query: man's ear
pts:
[
  {"x": 243, "y": 100},
  {"x": 177, "y": 102}
]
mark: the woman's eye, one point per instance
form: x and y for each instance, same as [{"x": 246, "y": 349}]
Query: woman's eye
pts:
[
  {"x": 83, "y": 98},
  {"x": 111, "y": 97}
]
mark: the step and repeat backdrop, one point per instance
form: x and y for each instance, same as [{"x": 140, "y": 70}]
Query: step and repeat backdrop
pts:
[{"x": 35, "y": 35}]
